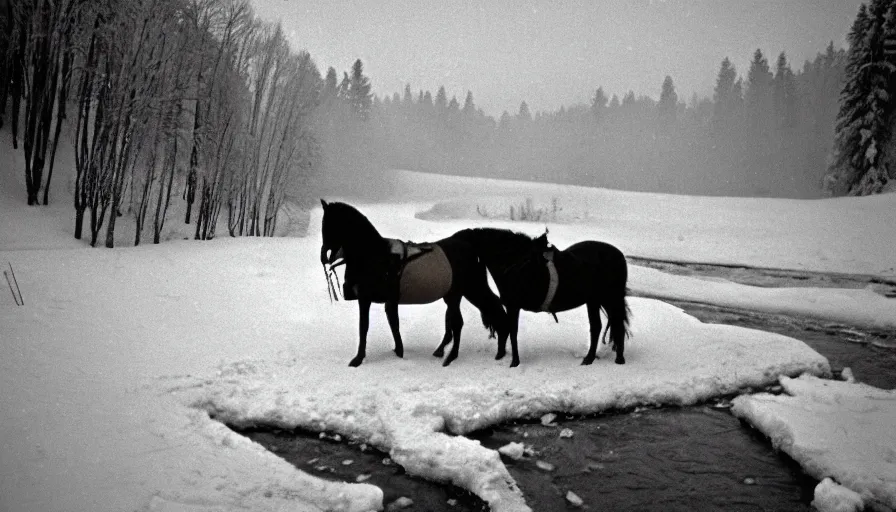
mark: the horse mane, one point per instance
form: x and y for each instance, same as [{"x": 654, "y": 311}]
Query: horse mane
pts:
[
  {"x": 348, "y": 215},
  {"x": 509, "y": 239}
]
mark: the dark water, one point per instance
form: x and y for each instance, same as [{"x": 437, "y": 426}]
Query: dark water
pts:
[
  {"x": 770, "y": 277},
  {"x": 692, "y": 458},
  {"x": 326, "y": 458}
]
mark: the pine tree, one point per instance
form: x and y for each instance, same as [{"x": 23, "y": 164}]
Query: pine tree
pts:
[
  {"x": 504, "y": 122},
  {"x": 360, "y": 97},
  {"x": 785, "y": 96},
  {"x": 453, "y": 105},
  {"x": 727, "y": 96},
  {"x": 342, "y": 91},
  {"x": 599, "y": 103},
  {"x": 330, "y": 87},
  {"x": 408, "y": 99},
  {"x": 758, "y": 96},
  {"x": 469, "y": 108},
  {"x": 441, "y": 101},
  {"x": 668, "y": 102},
  {"x": 524, "y": 114},
  {"x": 864, "y": 134}
]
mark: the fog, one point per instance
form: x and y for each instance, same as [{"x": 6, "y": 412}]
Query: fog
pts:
[{"x": 766, "y": 131}]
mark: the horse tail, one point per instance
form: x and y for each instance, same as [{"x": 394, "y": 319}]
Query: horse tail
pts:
[
  {"x": 626, "y": 313},
  {"x": 491, "y": 310},
  {"x": 618, "y": 312},
  {"x": 494, "y": 318}
]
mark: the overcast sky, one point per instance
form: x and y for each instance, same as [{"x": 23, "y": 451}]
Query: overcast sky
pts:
[{"x": 552, "y": 53}]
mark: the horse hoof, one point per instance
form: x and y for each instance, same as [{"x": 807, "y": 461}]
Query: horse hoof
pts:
[
  {"x": 620, "y": 360},
  {"x": 499, "y": 356},
  {"x": 438, "y": 353},
  {"x": 514, "y": 364},
  {"x": 447, "y": 361},
  {"x": 399, "y": 353},
  {"x": 587, "y": 361},
  {"x": 354, "y": 363}
]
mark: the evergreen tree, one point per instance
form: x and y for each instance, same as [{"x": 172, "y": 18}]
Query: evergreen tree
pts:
[
  {"x": 330, "y": 88},
  {"x": 441, "y": 101},
  {"x": 614, "y": 103},
  {"x": 727, "y": 95},
  {"x": 599, "y": 103},
  {"x": 758, "y": 101},
  {"x": 453, "y": 105},
  {"x": 504, "y": 123},
  {"x": 524, "y": 114},
  {"x": 668, "y": 102},
  {"x": 408, "y": 98},
  {"x": 469, "y": 108},
  {"x": 359, "y": 91},
  {"x": 864, "y": 134},
  {"x": 785, "y": 96},
  {"x": 342, "y": 91}
]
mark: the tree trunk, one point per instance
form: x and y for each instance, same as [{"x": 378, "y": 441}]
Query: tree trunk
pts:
[{"x": 60, "y": 116}]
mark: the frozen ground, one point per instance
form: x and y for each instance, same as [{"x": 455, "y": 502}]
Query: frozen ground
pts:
[{"x": 111, "y": 369}]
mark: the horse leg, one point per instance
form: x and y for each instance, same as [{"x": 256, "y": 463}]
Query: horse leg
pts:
[
  {"x": 440, "y": 351},
  {"x": 513, "y": 317},
  {"x": 363, "y": 324},
  {"x": 595, "y": 327},
  {"x": 392, "y": 316},
  {"x": 457, "y": 323}
]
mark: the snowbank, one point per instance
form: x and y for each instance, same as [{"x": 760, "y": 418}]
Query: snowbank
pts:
[{"x": 841, "y": 430}]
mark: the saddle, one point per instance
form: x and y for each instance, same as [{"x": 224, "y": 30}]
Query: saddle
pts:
[{"x": 400, "y": 254}]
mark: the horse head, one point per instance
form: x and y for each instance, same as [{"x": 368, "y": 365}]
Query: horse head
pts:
[
  {"x": 331, "y": 233},
  {"x": 344, "y": 230}
]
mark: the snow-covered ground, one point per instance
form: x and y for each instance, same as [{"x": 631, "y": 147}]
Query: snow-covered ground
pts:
[{"x": 111, "y": 370}]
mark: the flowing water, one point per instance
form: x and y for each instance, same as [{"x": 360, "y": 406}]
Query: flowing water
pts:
[{"x": 674, "y": 458}]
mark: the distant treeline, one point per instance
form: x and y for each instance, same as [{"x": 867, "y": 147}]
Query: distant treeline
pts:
[
  {"x": 768, "y": 135},
  {"x": 826, "y": 128}
]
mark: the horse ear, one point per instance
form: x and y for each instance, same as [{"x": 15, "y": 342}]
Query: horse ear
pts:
[
  {"x": 545, "y": 231},
  {"x": 323, "y": 203}
]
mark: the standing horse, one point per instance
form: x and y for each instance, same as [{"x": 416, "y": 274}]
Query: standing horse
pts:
[
  {"x": 391, "y": 272},
  {"x": 533, "y": 276}
]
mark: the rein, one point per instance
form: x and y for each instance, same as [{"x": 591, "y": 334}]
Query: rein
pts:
[{"x": 329, "y": 274}]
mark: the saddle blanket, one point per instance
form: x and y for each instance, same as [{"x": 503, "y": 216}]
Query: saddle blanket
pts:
[{"x": 426, "y": 275}]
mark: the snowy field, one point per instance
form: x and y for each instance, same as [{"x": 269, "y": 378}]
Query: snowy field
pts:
[{"x": 119, "y": 365}]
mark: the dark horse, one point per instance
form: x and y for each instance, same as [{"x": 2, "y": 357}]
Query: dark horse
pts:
[
  {"x": 391, "y": 272},
  {"x": 590, "y": 273}
]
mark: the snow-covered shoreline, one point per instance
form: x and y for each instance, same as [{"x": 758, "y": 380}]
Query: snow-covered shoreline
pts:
[{"x": 112, "y": 367}]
